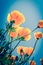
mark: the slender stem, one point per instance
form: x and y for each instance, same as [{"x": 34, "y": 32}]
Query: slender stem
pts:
[
  {"x": 11, "y": 44},
  {"x": 20, "y": 58},
  {"x": 9, "y": 26},
  {"x": 8, "y": 44},
  {"x": 15, "y": 47},
  {"x": 32, "y": 60},
  {"x": 31, "y": 53},
  {"x": 34, "y": 29}
]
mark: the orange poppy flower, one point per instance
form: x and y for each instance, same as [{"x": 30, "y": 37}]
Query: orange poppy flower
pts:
[
  {"x": 22, "y": 48},
  {"x": 26, "y": 50},
  {"x": 19, "y": 48},
  {"x": 38, "y": 35},
  {"x": 25, "y": 33},
  {"x": 13, "y": 34},
  {"x": 17, "y": 17},
  {"x": 32, "y": 62},
  {"x": 40, "y": 24},
  {"x": 29, "y": 50}
]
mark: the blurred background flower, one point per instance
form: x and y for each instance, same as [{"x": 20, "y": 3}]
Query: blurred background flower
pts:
[
  {"x": 41, "y": 60},
  {"x": 38, "y": 35},
  {"x": 40, "y": 24},
  {"x": 32, "y": 62}
]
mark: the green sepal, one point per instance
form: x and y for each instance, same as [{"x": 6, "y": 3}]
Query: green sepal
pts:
[
  {"x": 12, "y": 29},
  {"x": 21, "y": 38}
]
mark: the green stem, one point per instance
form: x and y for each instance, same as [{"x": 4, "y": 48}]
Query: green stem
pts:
[
  {"x": 34, "y": 29},
  {"x": 15, "y": 47},
  {"x": 9, "y": 26},
  {"x": 11, "y": 44}
]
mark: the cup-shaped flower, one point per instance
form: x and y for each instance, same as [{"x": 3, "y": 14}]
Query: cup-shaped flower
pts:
[
  {"x": 25, "y": 49},
  {"x": 25, "y": 33},
  {"x": 29, "y": 50},
  {"x": 19, "y": 48},
  {"x": 13, "y": 34},
  {"x": 40, "y": 24},
  {"x": 17, "y": 16},
  {"x": 32, "y": 62},
  {"x": 38, "y": 35}
]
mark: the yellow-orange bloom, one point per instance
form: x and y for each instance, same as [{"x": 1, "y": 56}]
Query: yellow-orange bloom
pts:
[
  {"x": 26, "y": 50},
  {"x": 13, "y": 34},
  {"x": 30, "y": 50},
  {"x": 40, "y": 24},
  {"x": 38, "y": 35},
  {"x": 32, "y": 62},
  {"x": 25, "y": 33},
  {"x": 19, "y": 48},
  {"x": 16, "y": 16}
]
